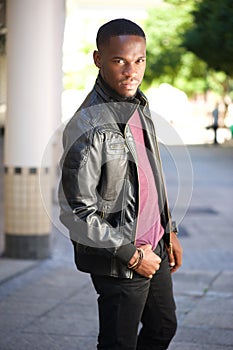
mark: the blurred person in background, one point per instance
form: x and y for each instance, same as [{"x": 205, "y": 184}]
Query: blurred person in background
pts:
[{"x": 215, "y": 124}]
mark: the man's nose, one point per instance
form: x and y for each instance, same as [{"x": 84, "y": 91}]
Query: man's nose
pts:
[{"x": 130, "y": 70}]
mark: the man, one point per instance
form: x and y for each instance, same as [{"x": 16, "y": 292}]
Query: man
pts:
[{"x": 113, "y": 199}]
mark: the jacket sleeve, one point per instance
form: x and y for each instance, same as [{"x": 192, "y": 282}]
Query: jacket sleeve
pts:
[{"x": 80, "y": 202}]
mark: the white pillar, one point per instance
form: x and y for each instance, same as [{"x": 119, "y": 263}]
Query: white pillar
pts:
[{"x": 34, "y": 81}]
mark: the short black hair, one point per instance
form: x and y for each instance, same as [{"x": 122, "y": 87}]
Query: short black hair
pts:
[{"x": 117, "y": 27}]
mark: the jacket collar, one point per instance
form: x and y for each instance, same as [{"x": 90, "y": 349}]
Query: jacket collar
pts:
[{"x": 109, "y": 95}]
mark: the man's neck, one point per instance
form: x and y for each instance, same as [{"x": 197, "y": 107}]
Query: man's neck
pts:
[{"x": 112, "y": 93}]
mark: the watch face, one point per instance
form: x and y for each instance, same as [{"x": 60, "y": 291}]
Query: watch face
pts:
[{"x": 174, "y": 227}]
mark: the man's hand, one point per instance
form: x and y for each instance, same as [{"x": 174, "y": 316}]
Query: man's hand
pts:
[
  {"x": 175, "y": 252},
  {"x": 150, "y": 262}
]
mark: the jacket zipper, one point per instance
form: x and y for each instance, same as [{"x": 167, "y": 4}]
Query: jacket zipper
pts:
[
  {"x": 136, "y": 163},
  {"x": 103, "y": 212}
]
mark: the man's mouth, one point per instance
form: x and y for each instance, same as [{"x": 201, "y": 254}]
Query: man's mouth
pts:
[{"x": 130, "y": 85}]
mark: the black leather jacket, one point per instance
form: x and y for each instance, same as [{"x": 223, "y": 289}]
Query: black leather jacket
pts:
[{"x": 99, "y": 190}]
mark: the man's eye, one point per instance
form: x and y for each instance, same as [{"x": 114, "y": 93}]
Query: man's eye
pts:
[
  {"x": 141, "y": 60},
  {"x": 120, "y": 61}
]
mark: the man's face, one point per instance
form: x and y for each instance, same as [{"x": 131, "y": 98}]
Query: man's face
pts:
[{"x": 122, "y": 63}]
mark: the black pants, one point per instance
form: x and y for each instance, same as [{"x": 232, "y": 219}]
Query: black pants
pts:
[{"x": 124, "y": 303}]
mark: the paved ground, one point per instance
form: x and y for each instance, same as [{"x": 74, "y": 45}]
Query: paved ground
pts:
[{"x": 48, "y": 305}]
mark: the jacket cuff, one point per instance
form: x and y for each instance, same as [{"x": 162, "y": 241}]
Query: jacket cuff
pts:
[{"x": 125, "y": 252}]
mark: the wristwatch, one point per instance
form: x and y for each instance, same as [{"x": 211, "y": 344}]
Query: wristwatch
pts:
[{"x": 174, "y": 228}]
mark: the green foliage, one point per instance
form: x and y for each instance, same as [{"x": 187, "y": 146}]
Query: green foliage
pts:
[
  {"x": 167, "y": 60},
  {"x": 78, "y": 80},
  {"x": 171, "y": 61},
  {"x": 211, "y": 35}
]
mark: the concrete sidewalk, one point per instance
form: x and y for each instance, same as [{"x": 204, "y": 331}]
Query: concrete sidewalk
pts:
[{"x": 49, "y": 305}]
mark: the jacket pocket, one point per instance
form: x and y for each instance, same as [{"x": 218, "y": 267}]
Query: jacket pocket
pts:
[{"x": 115, "y": 144}]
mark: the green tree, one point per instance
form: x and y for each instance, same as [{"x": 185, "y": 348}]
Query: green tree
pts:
[
  {"x": 211, "y": 35},
  {"x": 169, "y": 59}
]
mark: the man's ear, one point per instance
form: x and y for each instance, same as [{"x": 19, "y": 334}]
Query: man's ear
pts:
[{"x": 97, "y": 58}]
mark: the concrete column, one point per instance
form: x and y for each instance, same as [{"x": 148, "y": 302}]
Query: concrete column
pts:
[{"x": 34, "y": 82}]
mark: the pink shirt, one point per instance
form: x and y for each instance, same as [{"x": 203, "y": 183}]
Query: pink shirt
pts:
[{"x": 149, "y": 228}]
